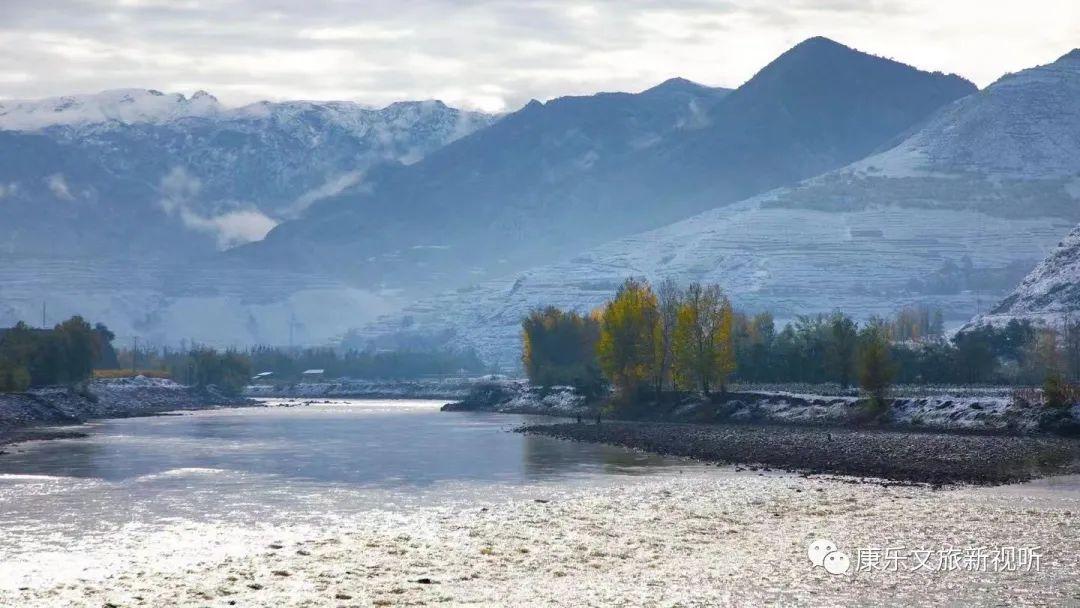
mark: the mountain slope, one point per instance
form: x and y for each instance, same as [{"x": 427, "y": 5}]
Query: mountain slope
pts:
[
  {"x": 218, "y": 176},
  {"x": 576, "y": 171},
  {"x": 1050, "y": 294},
  {"x": 953, "y": 216}
]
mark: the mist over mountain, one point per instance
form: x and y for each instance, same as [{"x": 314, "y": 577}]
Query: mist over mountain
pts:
[
  {"x": 187, "y": 175},
  {"x": 573, "y": 172},
  {"x": 953, "y": 215},
  {"x": 115, "y": 206}
]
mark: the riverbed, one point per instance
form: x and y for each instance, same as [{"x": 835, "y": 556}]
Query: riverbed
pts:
[{"x": 394, "y": 503}]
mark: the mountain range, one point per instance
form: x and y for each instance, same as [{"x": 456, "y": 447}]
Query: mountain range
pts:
[
  {"x": 953, "y": 215},
  {"x": 830, "y": 179},
  {"x": 143, "y": 173},
  {"x": 574, "y": 172}
]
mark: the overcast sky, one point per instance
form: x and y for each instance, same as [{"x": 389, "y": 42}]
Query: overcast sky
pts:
[{"x": 494, "y": 55}]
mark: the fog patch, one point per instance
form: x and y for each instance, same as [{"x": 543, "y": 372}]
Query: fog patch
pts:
[
  {"x": 232, "y": 227},
  {"x": 695, "y": 118},
  {"x": 332, "y": 187},
  {"x": 58, "y": 186}
]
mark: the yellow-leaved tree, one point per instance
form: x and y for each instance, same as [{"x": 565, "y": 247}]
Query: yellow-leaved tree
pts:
[
  {"x": 703, "y": 349},
  {"x": 631, "y": 345}
]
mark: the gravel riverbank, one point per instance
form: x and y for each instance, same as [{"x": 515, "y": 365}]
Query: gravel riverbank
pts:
[{"x": 936, "y": 458}]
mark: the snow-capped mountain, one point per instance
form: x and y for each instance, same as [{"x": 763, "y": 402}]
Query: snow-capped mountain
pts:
[
  {"x": 215, "y": 176},
  {"x": 953, "y": 215},
  {"x": 124, "y": 106},
  {"x": 1050, "y": 294},
  {"x": 574, "y": 172},
  {"x": 115, "y": 205}
]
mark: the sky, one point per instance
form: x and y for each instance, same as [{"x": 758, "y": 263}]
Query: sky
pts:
[{"x": 491, "y": 55}]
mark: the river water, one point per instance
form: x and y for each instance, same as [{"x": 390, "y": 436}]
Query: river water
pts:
[
  {"x": 366, "y": 497},
  {"x": 311, "y": 464}
]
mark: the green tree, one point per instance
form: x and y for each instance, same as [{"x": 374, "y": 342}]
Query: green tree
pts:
[
  {"x": 13, "y": 378},
  {"x": 229, "y": 371},
  {"x": 704, "y": 353},
  {"x": 843, "y": 338},
  {"x": 559, "y": 348},
  {"x": 630, "y": 349},
  {"x": 876, "y": 370},
  {"x": 78, "y": 346}
]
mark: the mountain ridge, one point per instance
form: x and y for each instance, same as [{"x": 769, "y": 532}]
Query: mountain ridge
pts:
[{"x": 569, "y": 173}]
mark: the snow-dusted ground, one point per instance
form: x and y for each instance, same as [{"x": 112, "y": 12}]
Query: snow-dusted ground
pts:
[
  {"x": 1050, "y": 295},
  {"x": 790, "y": 261},
  {"x": 429, "y": 388},
  {"x": 704, "y": 538}
]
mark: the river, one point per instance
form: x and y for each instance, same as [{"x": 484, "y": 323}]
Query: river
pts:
[{"x": 402, "y": 489}]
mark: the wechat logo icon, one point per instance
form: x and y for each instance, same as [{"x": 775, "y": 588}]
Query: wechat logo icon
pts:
[{"x": 825, "y": 554}]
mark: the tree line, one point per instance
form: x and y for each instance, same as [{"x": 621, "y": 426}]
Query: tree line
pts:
[
  {"x": 65, "y": 354},
  {"x": 670, "y": 338}
]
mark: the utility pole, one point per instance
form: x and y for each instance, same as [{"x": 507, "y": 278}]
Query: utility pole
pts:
[
  {"x": 43, "y": 325},
  {"x": 134, "y": 353},
  {"x": 292, "y": 325}
]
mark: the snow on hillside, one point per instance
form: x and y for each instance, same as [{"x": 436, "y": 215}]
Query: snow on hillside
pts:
[
  {"x": 788, "y": 261},
  {"x": 1050, "y": 294},
  {"x": 953, "y": 217},
  {"x": 136, "y": 106},
  {"x": 1025, "y": 125},
  {"x": 126, "y": 106}
]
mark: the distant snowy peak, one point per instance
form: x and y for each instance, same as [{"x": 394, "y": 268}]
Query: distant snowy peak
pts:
[
  {"x": 1025, "y": 125},
  {"x": 139, "y": 106},
  {"x": 127, "y": 106},
  {"x": 1050, "y": 293}
]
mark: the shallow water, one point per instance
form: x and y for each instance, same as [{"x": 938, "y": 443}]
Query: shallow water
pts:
[
  {"x": 312, "y": 465},
  {"x": 181, "y": 509}
]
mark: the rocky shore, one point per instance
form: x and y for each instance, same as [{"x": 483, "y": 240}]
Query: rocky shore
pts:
[
  {"x": 952, "y": 409},
  {"x": 421, "y": 388},
  {"x": 21, "y": 413},
  {"x": 904, "y": 456}
]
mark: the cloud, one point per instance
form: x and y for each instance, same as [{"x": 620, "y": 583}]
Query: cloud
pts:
[
  {"x": 332, "y": 187},
  {"x": 58, "y": 185},
  {"x": 231, "y": 227},
  {"x": 495, "y": 54}
]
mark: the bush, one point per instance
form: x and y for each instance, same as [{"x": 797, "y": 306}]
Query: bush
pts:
[
  {"x": 13, "y": 378},
  {"x": 229, "y": 371},
  {"x": 1057, "y": 393}
]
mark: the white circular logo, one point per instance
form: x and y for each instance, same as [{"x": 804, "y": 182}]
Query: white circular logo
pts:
[
  {"x": 819, "y": 549},
  {"x": 837, "y": 562}
]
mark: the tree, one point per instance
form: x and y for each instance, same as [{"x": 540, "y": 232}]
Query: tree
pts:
[
  {"x": 228, "y": 372},
  {"x": 669, "y": 298},
  {"x": 78, "y": 347},
  {"x": 559, "y": 348},
  {"x": 875, "y": 366},
  {"x": 630, "y": 349},
  {"x": 704, "y": 353},
  {"x": 14, "y": 378},
  {"x": 840, "y": 349}
]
